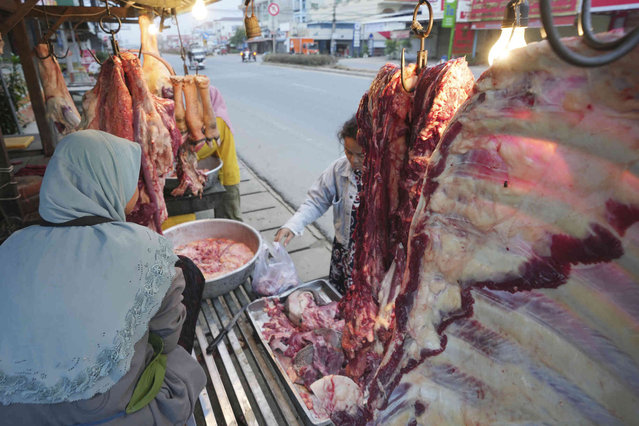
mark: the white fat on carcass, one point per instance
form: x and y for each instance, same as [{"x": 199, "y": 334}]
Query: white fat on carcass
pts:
[
  {"x": 296, "y": 304},
  {"x": 335, "y": 393}
]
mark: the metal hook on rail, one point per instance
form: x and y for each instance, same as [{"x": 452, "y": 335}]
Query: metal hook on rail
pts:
[
  {"x": 50, "y": 51},
  {"x": 421, "y": 33},
  {"x": 114, "y": 42}
]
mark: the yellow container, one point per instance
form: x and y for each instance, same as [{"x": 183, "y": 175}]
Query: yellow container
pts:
[{"x": 176, "y": 220}]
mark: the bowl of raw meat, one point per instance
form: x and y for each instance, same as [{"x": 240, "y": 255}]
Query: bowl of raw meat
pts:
[
  {"x": 210, "y": 166},
  {"x": 224, "y": 250}
]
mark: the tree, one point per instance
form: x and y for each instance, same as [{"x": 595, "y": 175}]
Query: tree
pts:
[
  {"x": 238, "y": 38},
  {"x": 391, "y": 47}
]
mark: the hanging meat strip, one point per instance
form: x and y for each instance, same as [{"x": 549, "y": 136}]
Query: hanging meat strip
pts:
[
  {"x": 121, "y": 104},
  {"x": 210, "y": 126},
  {"x": 111, "y": 90},
  {"x": 194, "y": 118},
  {"x": 60, "y": 107}
]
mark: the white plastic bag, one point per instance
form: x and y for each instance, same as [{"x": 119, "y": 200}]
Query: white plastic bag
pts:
[{"x": 274, "y": 270}]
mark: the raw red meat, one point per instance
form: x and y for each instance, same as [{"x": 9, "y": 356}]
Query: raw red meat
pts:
[
  {"x": 216, "y": 256},
  {"x": 121, "y": 104},
  {"x": 527, "y": 219},
  {"x": 111, "y": 89},
  {"x": 398, "y": 132},
  {"x": 60, "y": 107}
]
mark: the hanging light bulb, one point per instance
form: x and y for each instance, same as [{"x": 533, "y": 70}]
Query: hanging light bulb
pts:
[
  {"x": 513, "y": 27},
  {"x": 153, "y": 29},
  {"x": 199, "y": 10}
]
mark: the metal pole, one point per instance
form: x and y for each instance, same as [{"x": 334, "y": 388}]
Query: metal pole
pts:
[
  {"x": 332, "y": 46},
  {"x": 450, "y": 41}
]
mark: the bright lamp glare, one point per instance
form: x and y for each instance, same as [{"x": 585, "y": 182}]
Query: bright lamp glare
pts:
[
  {"x": 199, "y": 10},
  {"x": 506, "y": 43},
  {"x": 153, "y": 29}
]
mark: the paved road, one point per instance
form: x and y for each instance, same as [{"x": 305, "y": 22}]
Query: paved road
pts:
[{"x": 285, "y": 120}]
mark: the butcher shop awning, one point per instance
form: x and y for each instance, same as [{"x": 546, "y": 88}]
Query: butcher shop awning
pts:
[{"x": 560, "y": 21}]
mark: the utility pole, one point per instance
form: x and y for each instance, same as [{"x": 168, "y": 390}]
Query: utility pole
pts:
[{"x": 333, "y": 43}]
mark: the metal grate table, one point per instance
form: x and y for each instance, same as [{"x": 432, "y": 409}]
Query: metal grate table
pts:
[{"x": 243, "y": 386}]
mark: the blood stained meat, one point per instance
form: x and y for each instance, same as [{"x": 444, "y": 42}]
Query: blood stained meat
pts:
[
  {"x": 519, "y": 298},
  {"x": 216, "y": 256}
]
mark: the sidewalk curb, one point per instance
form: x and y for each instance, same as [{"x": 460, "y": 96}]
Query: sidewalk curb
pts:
[{"x": 335, "y": 70}]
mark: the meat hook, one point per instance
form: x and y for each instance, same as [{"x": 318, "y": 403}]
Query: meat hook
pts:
[
  {"x": 114, "y": 42},
  {"x": 421, "y": 33}
]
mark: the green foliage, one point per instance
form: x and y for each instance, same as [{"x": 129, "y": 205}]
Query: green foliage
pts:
[
  {"x": 365, "y": 49},
  {"x": 18, "y": 92},
  {"x": 407, "y": 43},
  {"x": 391, "y": 47},
  {"x": 102, "y": 55},
  {"x": 238, "y": 38},
  {"x": 310, "y": 60}
]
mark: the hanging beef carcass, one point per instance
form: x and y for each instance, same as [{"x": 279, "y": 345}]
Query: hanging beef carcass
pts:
[
  {"x": 156, "y": 74},
  {"x": 527, "y": 223},
  {"x": 121, "y": 104},
  {"x": 60, "y": 107},
  {"x": 399, "y": 132}
]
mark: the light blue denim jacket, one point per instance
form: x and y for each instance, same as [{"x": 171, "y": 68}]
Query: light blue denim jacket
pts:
[{"x": 335, "y": 187}]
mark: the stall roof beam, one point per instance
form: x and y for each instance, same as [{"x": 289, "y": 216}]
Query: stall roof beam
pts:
[
  {"x": 21, "y": 10},
  {"x": 81, "y": 13},
  {"x": 57, "y": 24},
  {"x": 8, "y": 6},
  {"x": 20, "y": 39}
]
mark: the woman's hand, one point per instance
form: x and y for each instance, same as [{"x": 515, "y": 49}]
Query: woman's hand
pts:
[{"x": 284, "y": 234}]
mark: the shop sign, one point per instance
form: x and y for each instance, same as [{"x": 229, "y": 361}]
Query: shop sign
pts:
[
  {"x": 463, "y": 10},
  {"x": 356, "y": 34},
  {"x": 450, "y": 10},
  {"x": 609, "y": 5},
  {"x": 491, "y": 10}
]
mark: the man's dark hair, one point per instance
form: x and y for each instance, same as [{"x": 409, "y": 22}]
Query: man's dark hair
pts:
[{"x": 349, "y": 129}]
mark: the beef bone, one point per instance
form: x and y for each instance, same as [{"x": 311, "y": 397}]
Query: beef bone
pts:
[
  {"x": 193, "y": 106},
  {"x": 210, "y": 126}
]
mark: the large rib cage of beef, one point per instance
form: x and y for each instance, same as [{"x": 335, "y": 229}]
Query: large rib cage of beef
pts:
[{"x": 526, "y": 222}]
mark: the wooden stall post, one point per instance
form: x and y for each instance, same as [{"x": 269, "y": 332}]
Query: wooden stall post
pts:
[
  {"x": 8, "y": 190},
  {"x": 21, "y": 43}
]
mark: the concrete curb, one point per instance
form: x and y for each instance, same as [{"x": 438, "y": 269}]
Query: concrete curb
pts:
[{"x": 335, "y": 69}]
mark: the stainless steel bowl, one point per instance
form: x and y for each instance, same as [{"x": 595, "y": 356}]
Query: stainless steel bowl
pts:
[
  {"x": 219, "y": 228},
  {"x": 212, "y": 163}
]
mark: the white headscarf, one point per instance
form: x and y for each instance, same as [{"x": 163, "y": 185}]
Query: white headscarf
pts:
[{"x": 75, "y": 300}]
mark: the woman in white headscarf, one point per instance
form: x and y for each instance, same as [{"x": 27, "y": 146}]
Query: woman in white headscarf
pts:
[{"x": 90, "y": 306}]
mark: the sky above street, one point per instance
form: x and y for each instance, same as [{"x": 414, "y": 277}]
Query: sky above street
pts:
[{"x": 224, "y": 8}]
